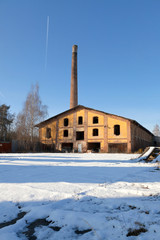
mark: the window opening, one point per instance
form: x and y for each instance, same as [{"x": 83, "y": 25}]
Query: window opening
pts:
[
  {"x": 80, "y": 120},
  {"x": 80, "y": 135},
  {"x": 117, "y": 129},
  {"x": 65, "y": 133},
  {"x": 95, "y": 120},
  {"x": 95, "y": 132},
  {"x": 66, "y": 122},
  {"x": 48, "y": 132}
]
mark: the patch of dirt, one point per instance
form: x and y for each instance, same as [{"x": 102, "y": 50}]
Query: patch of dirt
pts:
[
  {"x": 43, "y": 222},
  {"x": 13, "y": 221},
  {"x": 31, "y": 228},
  {"x": 136, "y": 232},
  {"x": 37, "y": 223},
  {"x": 82, "y": 231},
  {"x": 56, "y": 228},
  {"x": 132, "y": 207}
]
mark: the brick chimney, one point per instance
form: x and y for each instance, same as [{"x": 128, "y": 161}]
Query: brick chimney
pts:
[{"x": 74, "y": 92}]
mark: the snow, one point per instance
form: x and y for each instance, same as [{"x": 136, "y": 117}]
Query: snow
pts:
[
  {"x": 87, "y": 196},
  {"x": 157, "y": 159},
  {"x": 146, "y": 154}
]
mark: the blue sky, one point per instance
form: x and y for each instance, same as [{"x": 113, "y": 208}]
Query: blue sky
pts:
[{"x": 118, "y": 55}]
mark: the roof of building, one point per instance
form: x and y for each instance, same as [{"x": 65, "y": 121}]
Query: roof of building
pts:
[{"x": 81, "y": 106}]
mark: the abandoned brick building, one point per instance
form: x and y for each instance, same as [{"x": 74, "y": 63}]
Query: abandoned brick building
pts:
[{"x": 82, "y": 129}]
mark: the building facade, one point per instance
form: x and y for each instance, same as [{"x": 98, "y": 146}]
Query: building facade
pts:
[{"x": 83, "y": 129}]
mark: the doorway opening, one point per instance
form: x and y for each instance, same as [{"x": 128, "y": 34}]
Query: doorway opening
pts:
[
  {"x": 117, "y": 147},
  {"x": 94, "y": 146},
  {"x": 67, "y": 147}
]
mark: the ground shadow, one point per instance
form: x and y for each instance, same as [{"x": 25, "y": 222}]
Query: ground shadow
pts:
[{"x": 76, "y": 174}]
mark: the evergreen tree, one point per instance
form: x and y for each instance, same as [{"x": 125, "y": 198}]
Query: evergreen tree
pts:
[{"x": 6, "y": 119}]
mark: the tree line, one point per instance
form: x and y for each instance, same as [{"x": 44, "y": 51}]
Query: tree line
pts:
[{"x": 22, "y": 127}]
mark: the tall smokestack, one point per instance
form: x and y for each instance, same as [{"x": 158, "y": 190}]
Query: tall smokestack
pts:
[{"x": 74, "y": 92}]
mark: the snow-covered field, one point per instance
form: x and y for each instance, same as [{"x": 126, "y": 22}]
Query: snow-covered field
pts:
[{"x": 78, "y": 196}]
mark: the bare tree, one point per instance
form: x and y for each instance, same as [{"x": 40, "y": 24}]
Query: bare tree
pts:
[
  {"x": 156, "y": 130},
  {"x": 33, "y": 112},
  {"x": 6, "y": 119}
]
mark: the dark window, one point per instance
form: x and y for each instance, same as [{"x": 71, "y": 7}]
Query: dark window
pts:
[
  {"x": 117, "y": 130},
  {"x": 95, "y": 132},
  {"x": 80, "y": 135},
  {"x": 80, "y": 120},
  {"x": 66, "y": 122},
  {"x": 95, "y": 120},
  {"x": 48, "y": 132},
  {"x": 65, "y": 133}
]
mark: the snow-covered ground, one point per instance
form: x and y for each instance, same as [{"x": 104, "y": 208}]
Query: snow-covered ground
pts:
[{"x": 78, "y": 196}]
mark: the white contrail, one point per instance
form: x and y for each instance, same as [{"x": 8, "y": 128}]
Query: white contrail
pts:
[{"x": 47, "y": 42}]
